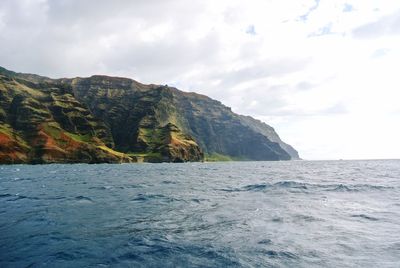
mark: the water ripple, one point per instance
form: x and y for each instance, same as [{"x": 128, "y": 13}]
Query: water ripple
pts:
[{"x": 241, "y": 214}]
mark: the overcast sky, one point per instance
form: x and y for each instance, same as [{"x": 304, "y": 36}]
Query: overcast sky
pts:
[{"x": 324, "y": 73}]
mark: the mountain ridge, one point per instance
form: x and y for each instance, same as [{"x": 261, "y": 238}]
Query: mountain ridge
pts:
[{"x": 109, "y": 119}]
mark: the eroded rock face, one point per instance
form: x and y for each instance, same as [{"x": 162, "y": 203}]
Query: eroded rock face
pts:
[
  {"x": 178, "y": 146},
  {"x": 113, "y": 120},
  {"x": 44, "y": 123}
]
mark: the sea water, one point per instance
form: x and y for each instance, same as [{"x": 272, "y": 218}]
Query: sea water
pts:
[{"x": 232, "y": 214}]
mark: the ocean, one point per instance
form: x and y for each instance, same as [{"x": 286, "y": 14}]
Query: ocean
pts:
[{"x": 228, "y": 214}]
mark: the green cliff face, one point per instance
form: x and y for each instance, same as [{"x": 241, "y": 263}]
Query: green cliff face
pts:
[
  {"x": 113, "y": 120},
  {"x": 44, "y": 123}
]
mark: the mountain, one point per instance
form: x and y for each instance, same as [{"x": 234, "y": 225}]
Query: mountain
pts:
[{"x": 102, "y": 119}]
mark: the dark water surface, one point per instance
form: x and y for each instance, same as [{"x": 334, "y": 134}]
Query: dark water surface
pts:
[{"x": 238, "y": 214}]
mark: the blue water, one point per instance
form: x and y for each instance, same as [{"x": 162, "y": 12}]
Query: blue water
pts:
[{"x": 237, "y": 214}]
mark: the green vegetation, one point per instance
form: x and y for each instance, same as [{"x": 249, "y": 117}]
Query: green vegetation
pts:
[
  {"x": 215, "y": 157},
  {"x": 52, "y": 129},
  {"x": 151, "y": 135},
  {"x": 6, "y": 129},
  {"x": 145, "y": 154},
  {"x": 109, "y": 150},
  {"x": 30, "y": 91},
  {"x": 79, "y": 138}
]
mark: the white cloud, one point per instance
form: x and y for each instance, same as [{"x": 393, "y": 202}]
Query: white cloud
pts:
[
  {"x": 323, "y": 73},
  {"x": 387, "y": 25}
]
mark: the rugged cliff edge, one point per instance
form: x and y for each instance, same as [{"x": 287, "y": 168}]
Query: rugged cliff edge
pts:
[{"x": 104, "y": 119}]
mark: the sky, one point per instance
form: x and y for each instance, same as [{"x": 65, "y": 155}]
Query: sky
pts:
[{"x": 321, "y": 72}]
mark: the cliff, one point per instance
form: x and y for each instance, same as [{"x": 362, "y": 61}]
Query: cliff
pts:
[{"x": 113, "y": 120}]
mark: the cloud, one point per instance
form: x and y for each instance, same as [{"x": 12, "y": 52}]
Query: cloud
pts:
[
  {"x": 325, "y": 30},
  {"x": 109, "y": 36},
  {"x": 305, "y": 16},
  {"x": 348, "y": 8},
  {"x": 262, "y": 70},
  {"x": 387, "y": 25},
  {"x": 304, "y": 85},
  {"x": 380, "y": 53},
  {"x": 338, "y": 108},
  {"x": 251, "y": 30},
  {"x": 254, "y": 56}
]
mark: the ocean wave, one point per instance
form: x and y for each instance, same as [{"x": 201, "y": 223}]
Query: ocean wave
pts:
[
  {"x": 280, "y": 254},
  {"x": 255, "y": 187},
  {"x": 266, "y": 186},
  {"x": 307, "y": 186},
  {"x": 356, "y": 187},
  {"x": 5, "y": 195},
  {"x": 17, "y": 197},
  {"x": 154, "y": 197},
  {"x": 101, "y": 187},
  {"x": 83, "y": 199},
  {"x": 164, "y": 253},
  {"x": 291, "y": 184},
  {"x": 365, "y": 217}
]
